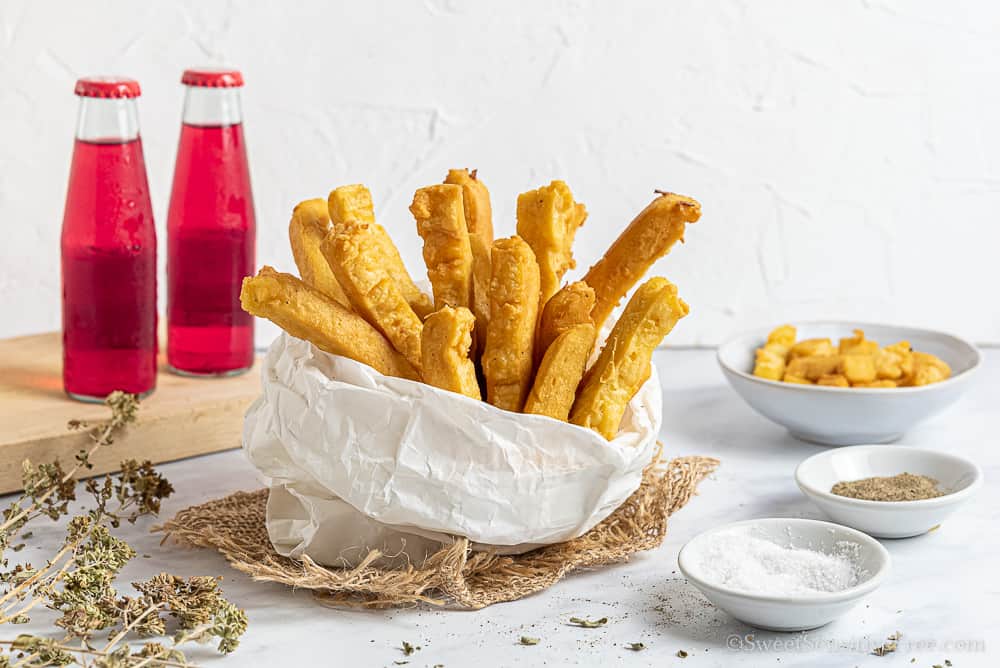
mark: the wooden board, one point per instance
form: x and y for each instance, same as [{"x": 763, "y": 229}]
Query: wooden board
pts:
[{"x": 182, "y": 418}]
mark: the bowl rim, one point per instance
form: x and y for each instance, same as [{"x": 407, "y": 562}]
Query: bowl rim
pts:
[
  {"x": 879, "y": 391},
  {"x": 819, "y": 598},
  {"x": 948, "y": 499}
]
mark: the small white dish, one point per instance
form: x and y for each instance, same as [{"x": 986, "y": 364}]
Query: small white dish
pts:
[
  {"x": 849, "y": 416},
  {"x": 888, "y": 519},
  {"x": 792, "y": 612}
]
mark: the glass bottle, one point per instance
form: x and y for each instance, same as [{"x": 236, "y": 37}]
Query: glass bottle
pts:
[
  {"x": 108, "y": 247},
  {"x": 211, "y": 232}
]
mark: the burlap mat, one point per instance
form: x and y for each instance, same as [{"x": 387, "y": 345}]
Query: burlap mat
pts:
[{"x": 454, "y": 575}]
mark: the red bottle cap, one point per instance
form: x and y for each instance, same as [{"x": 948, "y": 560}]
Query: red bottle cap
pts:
[
  {"x": 107, "y": 87},
  {"x": 212, "y": 78}
]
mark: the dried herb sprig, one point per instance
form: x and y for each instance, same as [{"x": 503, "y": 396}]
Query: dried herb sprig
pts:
[{"x": 78, "y": 580}]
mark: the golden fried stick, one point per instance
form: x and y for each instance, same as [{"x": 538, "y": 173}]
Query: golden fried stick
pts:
[
  {"x": 354, "y": 204},
  {"x": 507, "y": 358},
  {"x": 308, "y": 314},
  {"x": 444, "y": 349},
  {"x": 559, "y": 374},
  {"x": 356, "y": 257},
  {"x": 547, "y": 218},
  {"x": 440, "y": 218},
  {"x": 567, "y": 308},
  {"x": 479, "y": 220},
  {"x": 648, "y": 237},
  {"x": 624, "y": 363},
  {"x": 308, "y": 227}
]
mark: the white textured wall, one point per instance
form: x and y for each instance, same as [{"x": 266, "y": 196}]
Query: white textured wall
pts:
[{"x": 847, "y": 154}]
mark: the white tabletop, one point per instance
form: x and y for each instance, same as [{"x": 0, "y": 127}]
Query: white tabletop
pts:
[{"x": 943, "y": 593}]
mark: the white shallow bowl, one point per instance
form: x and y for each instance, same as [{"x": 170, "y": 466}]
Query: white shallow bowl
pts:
[
  {"x": 849, "y": 416},
  {"x": 794, "y": 612},
  {"x": 888, "y": 519}
]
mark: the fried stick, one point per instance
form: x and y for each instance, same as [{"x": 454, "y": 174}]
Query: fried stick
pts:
[
  {"x": 569, "y": 307},
  {"x": 560, "y": 372},
  {"x": 547, "y": 218},
  {"x": 647, "y": 238},
  {"x": 444, "y": 348},
  {"x": 353, "y": 203},
  {"x": 440, "y": 218},
  {"x": 308, "y": 227},
  {"x": 479, "y": 220},
  {"x": 308, "y": 314},
  {"x": 356, "y": 257},
  {"x": 624, "y": 363},
  {"x": 507, "y": 359}
]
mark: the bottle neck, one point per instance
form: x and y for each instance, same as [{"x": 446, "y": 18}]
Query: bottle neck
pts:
[
  {"x": 212, "y": 106},
  {"x": 107, "y": 120}
]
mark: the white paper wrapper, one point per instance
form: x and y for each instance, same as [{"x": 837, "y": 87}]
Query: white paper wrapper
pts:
[{"x": 356, "y": 460}]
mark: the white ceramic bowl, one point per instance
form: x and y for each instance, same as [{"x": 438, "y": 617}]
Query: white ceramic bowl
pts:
[
  {"x": 888, "y": 519},
  {"x": 798, "y": 612},
  {"x": 849, "y": 416}
]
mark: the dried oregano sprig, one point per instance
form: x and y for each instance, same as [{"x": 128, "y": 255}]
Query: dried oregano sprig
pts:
[{"x": 78, "y": 580}]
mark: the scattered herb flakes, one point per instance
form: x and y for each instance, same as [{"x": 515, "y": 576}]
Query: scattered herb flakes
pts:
[
  {"x": 528, "y": 640},
  {"x": 400, "y": 662},
  {"x": 18, "y": 547},
  {"x": 636, "y": 646},
  {"x": 681, "y": 654},
  {"x": 588, "y": 623},
  {"x": 27, "y": 534},
  {"x": 947, "y": 662},
  {"x": 409, "y": 649}
]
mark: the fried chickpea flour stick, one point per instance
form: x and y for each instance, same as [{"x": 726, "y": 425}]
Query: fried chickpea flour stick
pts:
[
  {"x": 569, "y": 307},
  {"x": 647, "y": 238},
  {"x": 479, "y": 220},
  {"x": 560, "y": 371},
  {"x": 624, "y": 363},
  {"x": 507, "y": 359},
  {"x": 440, "y": 218},
  {"x": 353, "y": 203},
  {"x": 308, "y": 227},
  {"x": 547, "y": 218},
  {"x": 356, "y": 257},
  {"x": 308, "y": 314},
  {"x": 444, "y": 348}
]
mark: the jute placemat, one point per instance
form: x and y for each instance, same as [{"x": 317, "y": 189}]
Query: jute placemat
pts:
[{"x": 454, "y": 575}]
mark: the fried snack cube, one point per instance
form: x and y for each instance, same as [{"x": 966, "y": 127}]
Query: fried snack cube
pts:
[
  {"x": 783, "y": 336},
  {"x": 560, "y": 372},
  {"x": 568, "y": 308},
  {"x": 810, "y": 348},
  {"x": 647, "y": 238},
  {"x": 798, "y": 380},
  {"x": 479, "y": 220},
  {"x": 813, "y": 366},
  {"x": 895, "y": 361},
  {"x": 548, "y": 218},
  {"x": 308, "y": 314},
  {"x": 769, "y": 364},
  {"x": 858, "y": 368},
  {"x": 927, "y": 369},
  {"x": 508, "y": 358},
  {"x": 445, "y": 342},
  {"x": 833, "y": 380},
  {"x": 858, "y": 344},
  {"x": 308, "y": 227},
  {"x": 353, "y": 205},
  {"x": 357, "y": 260},
  {"x": 440, "y": 218},
  {"x": 624, "y": 363},
  {"x": 877, "y": 384}
]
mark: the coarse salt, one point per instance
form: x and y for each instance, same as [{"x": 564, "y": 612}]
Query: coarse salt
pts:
[{"x": 752, "y": 564}]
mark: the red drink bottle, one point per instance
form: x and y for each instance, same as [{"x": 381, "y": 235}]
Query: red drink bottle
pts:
[
  {"x": 108, "y": 249},
  {"x": 211, "y": 232}
]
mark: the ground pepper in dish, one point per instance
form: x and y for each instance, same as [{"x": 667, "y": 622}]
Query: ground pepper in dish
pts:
[{"x": 902, "y": 487}]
